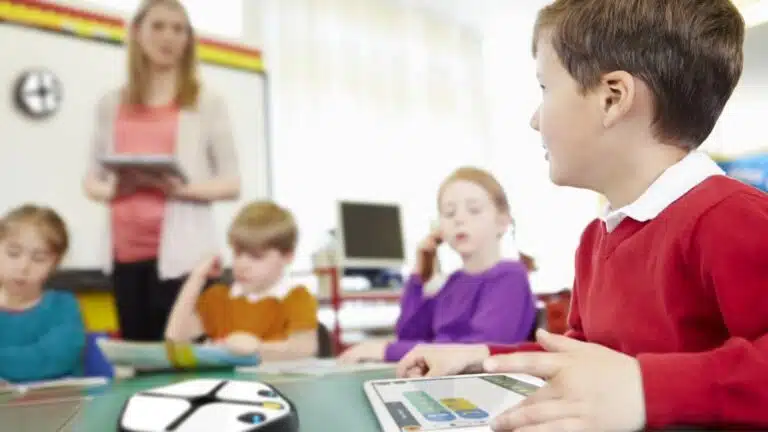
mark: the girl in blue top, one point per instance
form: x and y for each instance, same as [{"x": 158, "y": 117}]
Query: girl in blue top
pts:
[{"x": 41, "y": 332}]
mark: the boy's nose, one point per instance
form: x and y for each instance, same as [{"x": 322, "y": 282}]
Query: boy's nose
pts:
[{"x": 535, "y": 120}]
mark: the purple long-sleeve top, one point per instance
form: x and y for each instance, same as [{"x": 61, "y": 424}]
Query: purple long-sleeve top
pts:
[{"x": 493, "y": 307}]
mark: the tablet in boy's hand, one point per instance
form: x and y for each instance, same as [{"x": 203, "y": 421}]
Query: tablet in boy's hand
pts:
[
  {"x": 460, "y": 404},
  {"x": 148, "y": 163}
]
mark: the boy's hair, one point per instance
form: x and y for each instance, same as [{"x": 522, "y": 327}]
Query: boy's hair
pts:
[
  {"x": 136, "y": 91},
  {"x": 688, "y": 52},
  {"x": 263, "y": 225},
  {"x": 45, "y": 220}
]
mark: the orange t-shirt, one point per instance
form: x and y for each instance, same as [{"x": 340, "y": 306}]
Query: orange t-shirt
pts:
[
  {"x": 269, "y": 318},
  {"x": 137, "y": 218}
]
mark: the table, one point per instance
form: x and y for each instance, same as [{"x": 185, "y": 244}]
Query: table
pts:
[{"x": 319, "y": 400}]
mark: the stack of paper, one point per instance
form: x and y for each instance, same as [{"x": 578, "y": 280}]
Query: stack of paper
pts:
[{"x": 63, "y": 383}]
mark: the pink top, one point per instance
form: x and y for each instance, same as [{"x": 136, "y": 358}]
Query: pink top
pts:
[{"x": 137, "y": 218}]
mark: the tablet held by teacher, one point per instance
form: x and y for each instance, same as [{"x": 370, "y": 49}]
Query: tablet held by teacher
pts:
[{"x": 161, "y": 221}]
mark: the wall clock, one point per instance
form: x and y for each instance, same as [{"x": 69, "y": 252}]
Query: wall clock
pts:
[{"x": 38, "y": 93}]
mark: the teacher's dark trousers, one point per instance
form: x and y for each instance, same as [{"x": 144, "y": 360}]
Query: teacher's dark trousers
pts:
[{"x": 144, "y": 302}]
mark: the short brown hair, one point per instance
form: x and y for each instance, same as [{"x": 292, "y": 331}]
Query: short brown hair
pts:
[
  {"x": 263, "y": 225},
  {"x": 48, "y": 223},
  {"x": 688, "y": 52},
  {"x": 188, "y": 85}
]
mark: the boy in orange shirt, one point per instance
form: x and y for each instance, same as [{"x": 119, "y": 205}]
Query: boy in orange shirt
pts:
[
  {"x": 669, "y": 318},
  {"x": 257, "y": 314}
]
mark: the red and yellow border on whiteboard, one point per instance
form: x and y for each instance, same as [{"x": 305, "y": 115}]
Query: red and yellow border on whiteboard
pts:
[{"x": 88, "y": 25}]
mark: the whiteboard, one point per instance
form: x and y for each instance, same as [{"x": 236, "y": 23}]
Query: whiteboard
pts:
[{"x": 44, "y": 161}]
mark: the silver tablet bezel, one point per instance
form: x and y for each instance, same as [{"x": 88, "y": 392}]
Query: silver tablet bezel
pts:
[{"x": 388, "y": 424}]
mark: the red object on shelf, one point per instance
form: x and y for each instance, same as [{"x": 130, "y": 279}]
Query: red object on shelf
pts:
[{"x": 556, "y": 310}]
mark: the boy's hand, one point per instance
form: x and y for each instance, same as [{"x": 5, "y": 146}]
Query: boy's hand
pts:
[
  {"x": 242, "y": 343},
  {"x": 433, "y": 360},
  {"x": 370, "y": 351},
  {"x": 590, "y": 388},
  {"x": 209, "y": 268}
]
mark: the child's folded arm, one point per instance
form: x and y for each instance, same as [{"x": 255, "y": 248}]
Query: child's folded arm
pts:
[
  {"x": 54, "y": 355},
  {"x": 184, "y": 324},
  {"x": 299, "y": 345},
  {"x": 724, "y": 386},
  {"x": 416, "y": 312}
]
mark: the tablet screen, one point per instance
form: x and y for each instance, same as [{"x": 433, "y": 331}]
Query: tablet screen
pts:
[{"x": 446, "y": 403}]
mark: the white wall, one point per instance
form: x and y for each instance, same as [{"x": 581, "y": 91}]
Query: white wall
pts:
[
  {"x": 371, "y": 102},
  {"x": 550, "y": 219},
  {"x": 350, "y": 124},
  {"x": 741, "y": 128}
]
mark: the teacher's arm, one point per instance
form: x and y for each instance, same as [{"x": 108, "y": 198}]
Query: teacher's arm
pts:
[
  {"x": 98, "y": 183},
  {"x": 225, "y": 183}
]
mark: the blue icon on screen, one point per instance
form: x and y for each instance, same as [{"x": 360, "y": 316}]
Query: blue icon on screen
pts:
[
  {"x": 440, "y": 417},
  {"x": 472, "y": 414}
]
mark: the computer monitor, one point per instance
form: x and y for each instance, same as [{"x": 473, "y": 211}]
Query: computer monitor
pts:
[{"x": 370, "y": 235}]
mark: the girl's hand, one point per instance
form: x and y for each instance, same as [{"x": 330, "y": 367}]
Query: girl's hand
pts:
[
  {"x": 365, "y": 351},
  {"x": 425, "y": 255},
  {"x": 434, "y": 360}
]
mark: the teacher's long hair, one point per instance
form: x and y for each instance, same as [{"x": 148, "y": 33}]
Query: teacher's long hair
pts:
[{"x": 136, "y": 91}]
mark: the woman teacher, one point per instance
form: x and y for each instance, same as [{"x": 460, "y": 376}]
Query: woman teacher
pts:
[{"x": 160, "y": 227}]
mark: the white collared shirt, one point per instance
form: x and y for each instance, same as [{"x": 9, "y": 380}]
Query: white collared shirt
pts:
[
  {"x": 279, "y": 291},
  {"x": 672, "y": 184}
]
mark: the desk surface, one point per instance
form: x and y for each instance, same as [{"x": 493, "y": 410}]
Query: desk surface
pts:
[{"x": 319, "y": 400}]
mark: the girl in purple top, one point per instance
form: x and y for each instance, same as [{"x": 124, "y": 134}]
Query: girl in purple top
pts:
[{"x": 489, "y": 300}]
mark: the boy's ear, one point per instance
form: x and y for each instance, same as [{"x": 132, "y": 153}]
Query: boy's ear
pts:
[{"x": 617, "y": 92}]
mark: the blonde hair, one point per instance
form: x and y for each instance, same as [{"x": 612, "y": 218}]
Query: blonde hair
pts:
[
  {"x": 45, "y": 220},
  {"x": 263, "y": 225},
  {"x": 188, "y": 85},
  {"x": 487, "y": 182}
]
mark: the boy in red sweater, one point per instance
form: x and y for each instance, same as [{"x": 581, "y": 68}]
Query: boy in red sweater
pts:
[{"x": 669, "y": 314}]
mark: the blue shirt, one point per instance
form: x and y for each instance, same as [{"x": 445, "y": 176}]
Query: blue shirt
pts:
[
  {"x": 43, "y": 342},
  {"x": 495, "y": 306}
]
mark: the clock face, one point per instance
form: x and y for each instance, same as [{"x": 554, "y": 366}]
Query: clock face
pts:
[{"x": 38, "y": 93}]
